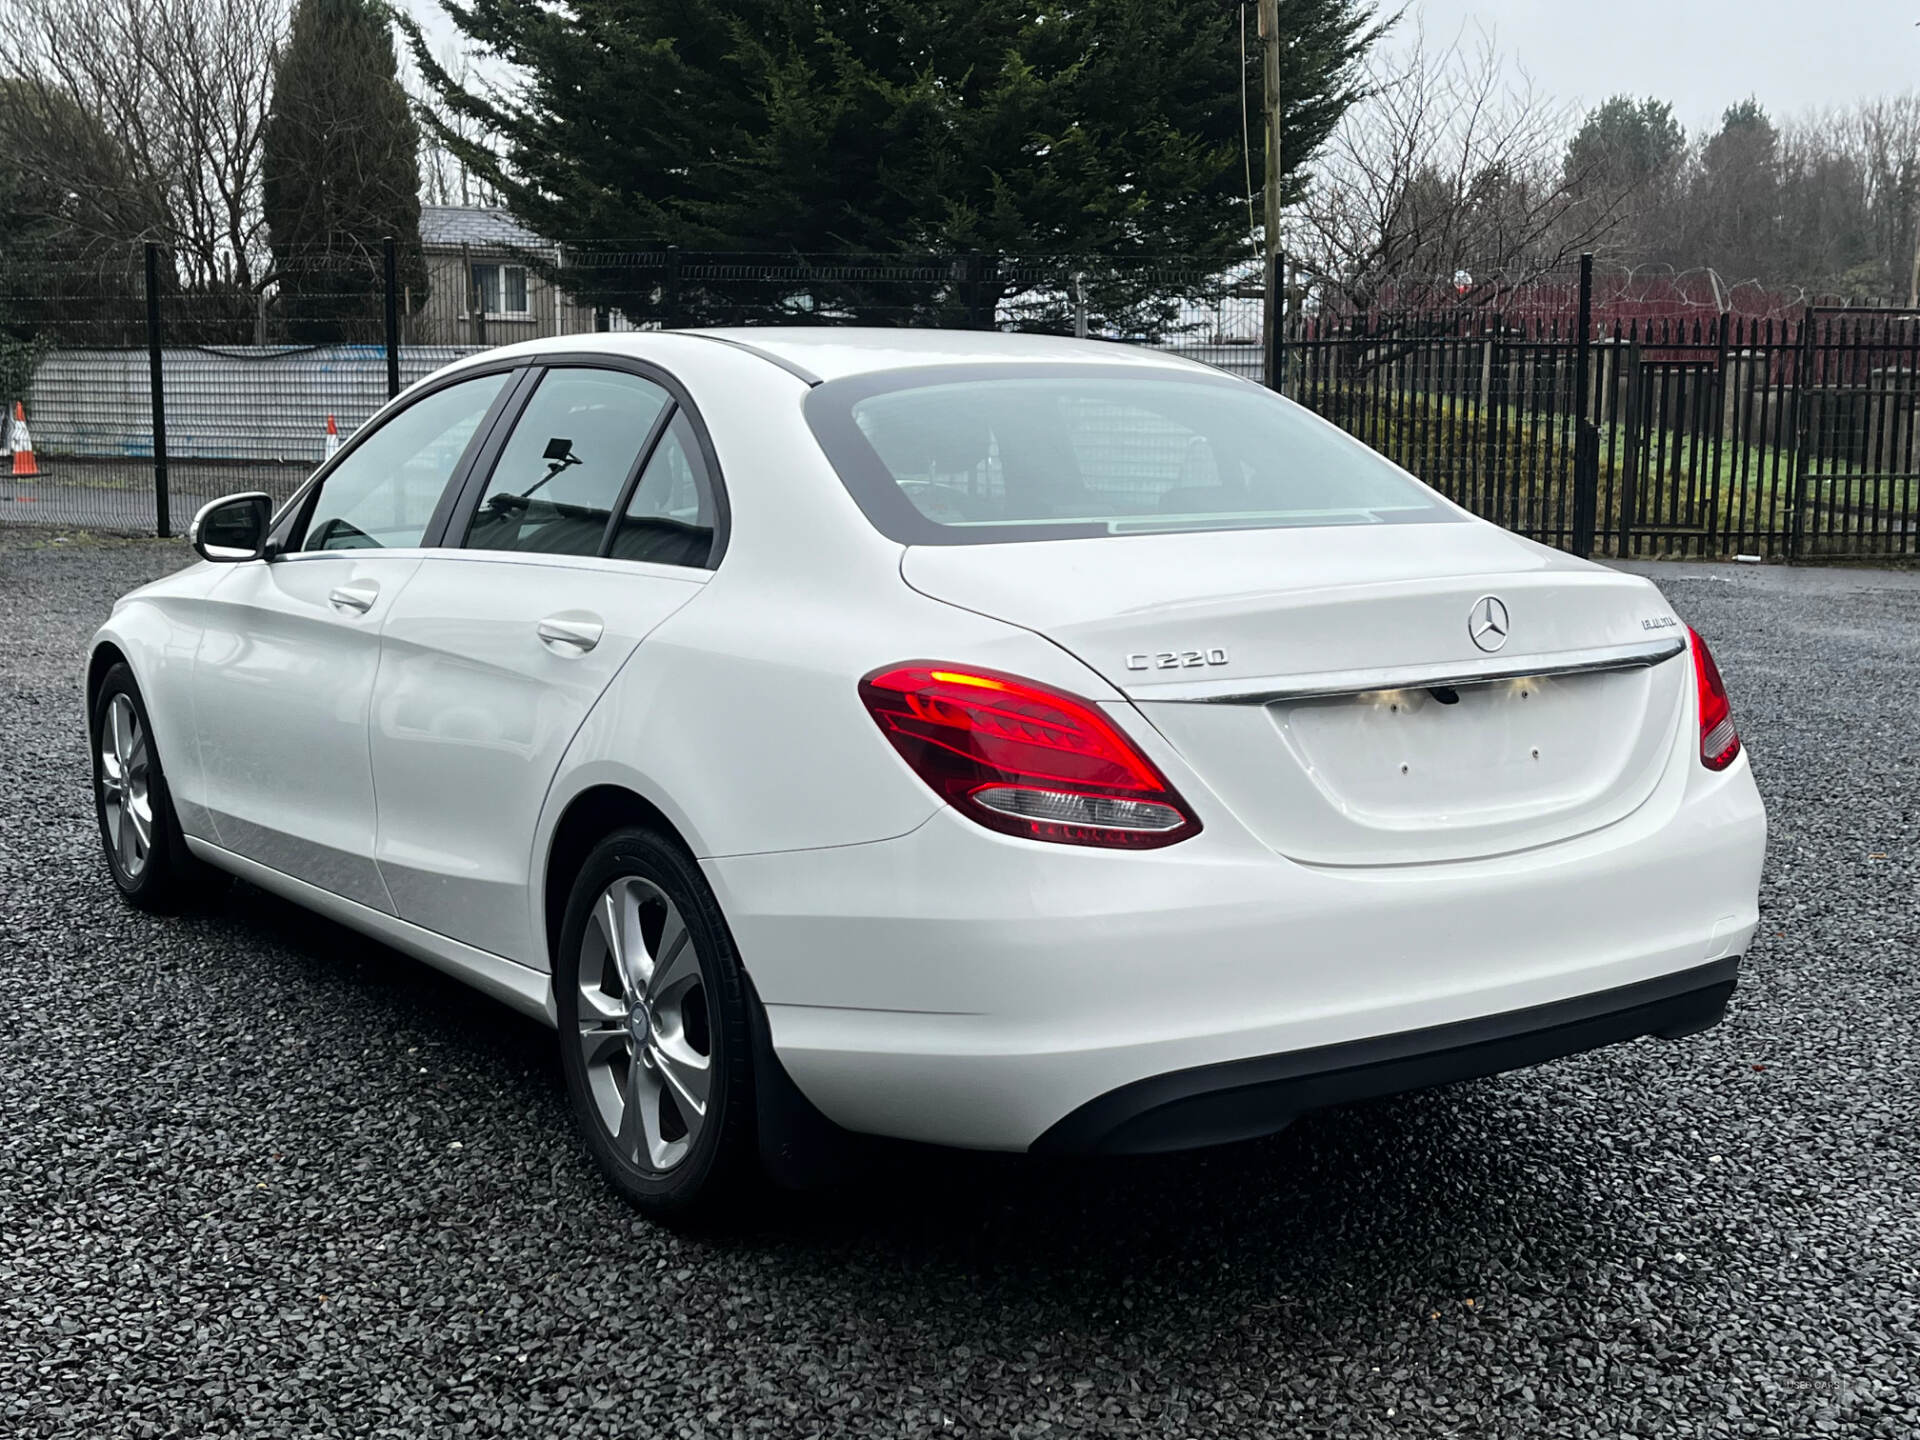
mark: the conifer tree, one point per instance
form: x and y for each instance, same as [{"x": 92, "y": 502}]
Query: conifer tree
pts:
[{"x": 341, "y": 170}]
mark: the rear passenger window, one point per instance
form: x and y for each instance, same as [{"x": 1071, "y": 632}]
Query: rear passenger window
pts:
[
  {"x": 670, "y": 519},
  {"x": 564, "y": 466}
]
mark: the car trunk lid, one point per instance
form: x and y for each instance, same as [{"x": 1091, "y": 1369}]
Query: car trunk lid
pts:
[{"x": 1327, "y": 684}]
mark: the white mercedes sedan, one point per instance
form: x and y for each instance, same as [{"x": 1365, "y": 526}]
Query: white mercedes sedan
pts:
[{"x": 986, "y": 740}]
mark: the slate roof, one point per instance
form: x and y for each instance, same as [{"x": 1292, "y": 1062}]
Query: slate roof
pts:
[{"x": 448, "y": 227}]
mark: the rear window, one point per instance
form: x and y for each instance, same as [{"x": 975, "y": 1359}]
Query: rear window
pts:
[{"x": 952, "y": 457}]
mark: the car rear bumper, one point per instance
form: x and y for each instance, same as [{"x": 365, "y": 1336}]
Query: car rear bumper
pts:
[
  {"x": 965, "y": 988},
  {"x": 1241, "y": 1099}
]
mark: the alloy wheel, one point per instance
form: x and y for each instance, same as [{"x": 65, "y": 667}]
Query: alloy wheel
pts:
[
  {"x": 126, "y": 799},
  {"x": 644, "y": 1031}
]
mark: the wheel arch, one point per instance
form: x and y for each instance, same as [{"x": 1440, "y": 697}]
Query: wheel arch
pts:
[
  {"x": 798, "y": 1146},
  {"x": 594, "y": 813},
  {"x": 106, "y": 654},
  {"x": 157, "y": 647}
]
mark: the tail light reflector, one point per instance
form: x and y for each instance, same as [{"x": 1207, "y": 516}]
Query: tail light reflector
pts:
[
  {"x": 1024, "y": 759},
  {"x": 1719, "y": 741}
]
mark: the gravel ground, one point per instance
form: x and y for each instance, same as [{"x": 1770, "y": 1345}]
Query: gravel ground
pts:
[
  {"x": 116, "y": 496},
  {"x": 261, "y": 1176}
]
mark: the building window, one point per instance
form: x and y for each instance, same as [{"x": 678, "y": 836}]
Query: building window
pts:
[{"x": 502, "y": 289}]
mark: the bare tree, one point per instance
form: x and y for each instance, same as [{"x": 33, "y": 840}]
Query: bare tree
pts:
[
  {"x": 1825, "y": 205},
  {"x": 179, "y": 89},
  {"x": 1823, "y": 230},
  {"x": 1450, "y": 173},
  {"x": 1880, "y": 140},
  {"x": 446, "y": 179}
]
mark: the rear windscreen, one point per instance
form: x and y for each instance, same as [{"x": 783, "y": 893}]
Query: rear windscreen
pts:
[{"x": 1040, "y": 452}]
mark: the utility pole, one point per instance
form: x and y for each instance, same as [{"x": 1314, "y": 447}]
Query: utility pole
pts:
[{"x": 1274, "y": 313}]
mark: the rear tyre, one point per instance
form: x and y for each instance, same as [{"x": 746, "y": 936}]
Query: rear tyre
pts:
[
  {"x": 654, "y": 1036},
  {"x": 146, "y": 853}
]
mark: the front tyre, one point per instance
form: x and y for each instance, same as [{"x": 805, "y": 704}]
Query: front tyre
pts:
[
  {"x": 146, "y": 853},
  {"x": 654, "y": 1036}
]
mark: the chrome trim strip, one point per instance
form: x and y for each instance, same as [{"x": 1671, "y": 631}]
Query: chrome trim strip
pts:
[
  {"x": 1325, "y": 684},
  {"x": 522, "y": 987}
]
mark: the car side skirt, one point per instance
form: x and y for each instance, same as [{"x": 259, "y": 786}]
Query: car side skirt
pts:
[
  {"x": 520, "y": 986},
  {"x": 1243, "y": 1099}
]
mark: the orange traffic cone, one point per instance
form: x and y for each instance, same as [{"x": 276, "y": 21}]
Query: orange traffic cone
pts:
[
  {"x": 333, "y": 439},
  {"x": 23, "y": 463}
]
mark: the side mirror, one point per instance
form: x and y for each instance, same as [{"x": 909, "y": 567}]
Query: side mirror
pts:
[{"x": 234, "y": 527}]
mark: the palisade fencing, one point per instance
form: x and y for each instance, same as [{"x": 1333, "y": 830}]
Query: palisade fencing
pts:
[
  {"x": 1588, "y": 425},
  {"x": 1735, "y": 436}
]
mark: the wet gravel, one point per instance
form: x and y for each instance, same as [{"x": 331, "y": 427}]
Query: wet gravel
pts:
[{"x": 259, "y": 1176}]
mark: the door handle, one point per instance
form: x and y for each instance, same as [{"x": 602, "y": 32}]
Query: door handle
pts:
[
  {"x": 575, "y": 633},
  {"x": 356, "y": 595}
]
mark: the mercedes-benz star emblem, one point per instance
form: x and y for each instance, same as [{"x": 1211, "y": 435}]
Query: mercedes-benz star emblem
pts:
[{"x": 1487, "y": 622}]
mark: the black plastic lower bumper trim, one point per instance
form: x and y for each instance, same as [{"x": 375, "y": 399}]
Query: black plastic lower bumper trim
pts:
[{"x": 1242, "y": 1099}]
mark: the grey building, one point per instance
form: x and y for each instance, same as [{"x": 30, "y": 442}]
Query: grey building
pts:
[{"x": 483, "y": 289}]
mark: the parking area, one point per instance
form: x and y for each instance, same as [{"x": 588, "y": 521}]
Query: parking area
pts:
[
  {"x": 260, "y": 1176},
  {"x": 117, "y": 496}
]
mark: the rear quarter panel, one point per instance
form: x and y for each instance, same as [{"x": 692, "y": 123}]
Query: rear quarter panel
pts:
[{"x": 739, "y": 718}]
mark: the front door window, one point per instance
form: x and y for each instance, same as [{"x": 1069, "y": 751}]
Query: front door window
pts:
[{"x": 383, "y": 494}]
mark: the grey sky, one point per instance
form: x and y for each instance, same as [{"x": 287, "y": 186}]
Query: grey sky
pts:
[{"x": 1702, "y": 55}]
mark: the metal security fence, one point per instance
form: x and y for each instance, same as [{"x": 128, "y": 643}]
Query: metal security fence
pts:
[
  {"x": 568, "y": 289},
  {"x": 144, "y": 398},
  {"x": 1587, "y": 423},
  {"x": 1738, "y": 436}
]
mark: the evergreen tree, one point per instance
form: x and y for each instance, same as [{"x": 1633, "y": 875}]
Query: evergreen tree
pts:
[
  {"x": 1623, "y": 169},
  {"x": 1735, "y": 204},
  {"x": 1625, "y": 143},
  {"x": 71, "y": 253},
  {"x": 341, "y": 170},
  {"x": 1108, "y": 127}
]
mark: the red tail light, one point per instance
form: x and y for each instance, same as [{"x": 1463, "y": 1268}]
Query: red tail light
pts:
[
  {"x": 1021, "y": 758},
  {"x": 1719, "y": 741}
]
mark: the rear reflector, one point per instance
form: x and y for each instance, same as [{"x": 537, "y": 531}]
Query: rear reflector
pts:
[
  {"x": 1719, "y": 741},
  {"x": 1024, "y": 759}
]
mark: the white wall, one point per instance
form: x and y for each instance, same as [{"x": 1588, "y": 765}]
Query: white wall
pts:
[
  {"x": 263, "y": 403},
  {"x": 228, "y": 402}
]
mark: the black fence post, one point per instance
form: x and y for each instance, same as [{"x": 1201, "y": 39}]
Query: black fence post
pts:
[
  {"x": 670, "y": 290},
  {"x": 1493, "y": 474},
  {"x": 1274, "y": 319},
  {"x": 1586, "y": 434},
  {"x": 1804, "y": 437},
  {"x": 476, "y": 296},
  {"x": 163, "y": 526},
  {"x": 1714, "y": 513},
  {"x": 982, "y": 271},
  {"x": 392, "y": 269}
]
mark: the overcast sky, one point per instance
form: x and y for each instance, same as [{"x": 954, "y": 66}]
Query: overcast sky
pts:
[{"x": 1702, "y": 55}]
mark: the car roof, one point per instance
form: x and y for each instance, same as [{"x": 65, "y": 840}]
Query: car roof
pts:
[{"x": 831, "y": 352}]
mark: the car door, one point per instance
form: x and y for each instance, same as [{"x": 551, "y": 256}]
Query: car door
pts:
[
  {"x": 285, "y": 672},
  {"x": 501, "y": 644}
]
